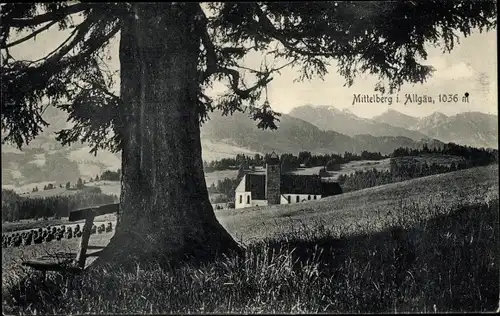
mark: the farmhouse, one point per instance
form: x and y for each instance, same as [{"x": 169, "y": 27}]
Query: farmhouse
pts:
[{"x": 273, "y": 187}]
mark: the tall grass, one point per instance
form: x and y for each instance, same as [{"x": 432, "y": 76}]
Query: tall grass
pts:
[{"x": 446, "y": 264}]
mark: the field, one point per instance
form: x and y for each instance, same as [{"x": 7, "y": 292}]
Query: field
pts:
[
  {"x": 354, "y": 206},
  {"x": 217, "y": 150},
  {"x": 446, "y": 219},
  {"x": 424, "y": 245},
  {"x": 113, "y": 187},
  {"x": 359, "y": 209},
  {"x": 12, "y": 257},
  {"x": 365, "y": 211},
  {"x": 353, "y": 166},
  {"x": 444, "y": 160},
  {"x": 213, "y": 177},
  {"x": 107, "y": 187},
  {"x": 76, "y": 161}
]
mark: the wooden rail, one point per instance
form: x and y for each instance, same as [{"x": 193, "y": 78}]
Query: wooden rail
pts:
[{"x": 78, "y": 264}]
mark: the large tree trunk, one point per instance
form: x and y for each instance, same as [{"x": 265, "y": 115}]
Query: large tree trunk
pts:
[{"x": 165, "y": 212}]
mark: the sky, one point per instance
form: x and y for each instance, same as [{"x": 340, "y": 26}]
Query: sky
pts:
[{"x": 471, "y": 67}]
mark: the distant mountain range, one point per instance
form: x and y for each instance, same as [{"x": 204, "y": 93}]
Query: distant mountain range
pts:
[
  {"x": 316, "y": 129},
  {"x": 294, "y": 135},
  {"x": 329, "y": 118},
  {"x": 469, "y": 128}
]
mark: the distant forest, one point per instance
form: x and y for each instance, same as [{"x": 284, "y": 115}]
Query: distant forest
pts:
[
  {"x": 15, "y": 207},
  {"x": 290, "y": 162},
  {"x": 405, "y": 169},
  {"x": 400, "y": 169}
]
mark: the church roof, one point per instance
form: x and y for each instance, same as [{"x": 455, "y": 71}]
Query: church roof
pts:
[
  {"x": 290, "y": 184},
  {"x": 330, "y": 188},
  {"x": 300, "y": 184},
  {"x": 241, "y": 185},
  {"x": 256, "y": 183},
  {"x": 273, "y": 158}
]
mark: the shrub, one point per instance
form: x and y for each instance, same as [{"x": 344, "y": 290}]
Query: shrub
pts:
[
  {"x": 332, "y": 165},
  {"x": 111, "y": 175}
]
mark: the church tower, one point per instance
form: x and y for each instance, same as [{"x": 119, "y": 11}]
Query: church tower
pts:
[{"x": 273, "y": 179}]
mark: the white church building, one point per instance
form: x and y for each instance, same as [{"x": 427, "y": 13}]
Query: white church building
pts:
[{"x": 273, "y": 187}]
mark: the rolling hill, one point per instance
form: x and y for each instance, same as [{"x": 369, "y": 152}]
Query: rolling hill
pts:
[
  {"x": 44, "y": 160},
  {"x": 355, "y": 209}
]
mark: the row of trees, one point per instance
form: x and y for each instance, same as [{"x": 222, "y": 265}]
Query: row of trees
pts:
[
  {"x": 15, "y": 208},
  {"x": 332, "y": 162},
  {"x": 107, "y": 175},
  {"x": 474, "y": 156},
  {"x": 400, "y": 170},
  {"x": 80, "y": 184},
  {"x": 225, "y": 186},
  {"x": 291, "y": 162}
]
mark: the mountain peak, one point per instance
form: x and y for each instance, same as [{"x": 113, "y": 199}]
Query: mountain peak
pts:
[
  {"x": 390, "y": 110},
  {"x": 395, "y": 118},
  {"x": 437, "y": 114}
]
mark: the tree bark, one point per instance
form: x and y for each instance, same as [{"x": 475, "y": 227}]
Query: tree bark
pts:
[{"x": 165, "y": 212}]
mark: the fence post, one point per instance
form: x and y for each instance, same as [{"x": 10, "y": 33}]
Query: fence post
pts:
[{"x": 81, "y": 255}]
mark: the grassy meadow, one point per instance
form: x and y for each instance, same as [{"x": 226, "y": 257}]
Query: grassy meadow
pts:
[
  {"x": 424, "y": 245},
  {"x": 369, "y": 208},
  {"x": 348, "y": 168},
  {"x": 13, "y": 257}
]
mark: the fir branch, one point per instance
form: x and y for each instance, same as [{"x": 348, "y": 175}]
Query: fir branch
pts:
[
  {"x": 49, "y": 16},
  {"x": 28, "y": 37}
]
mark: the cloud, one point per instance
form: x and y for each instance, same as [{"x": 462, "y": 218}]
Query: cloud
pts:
[{"x": 457, "y": 71}]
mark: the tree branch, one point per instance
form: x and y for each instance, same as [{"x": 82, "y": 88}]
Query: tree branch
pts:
[
  {"x": 234, "y": 77},
  {"x": 49, "y": 16},
  {"x": 211, "y": 56},
  {"x": 81, "y": 30},
  {"x": 30, "y": 36},
  {"x": 270, "y": 71},
  {"x": 268, "y": 26},
  {"x": 99, "y": 43},
  {"x": 98, "y": 87},
  {"x": 58, "y": 47}
]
